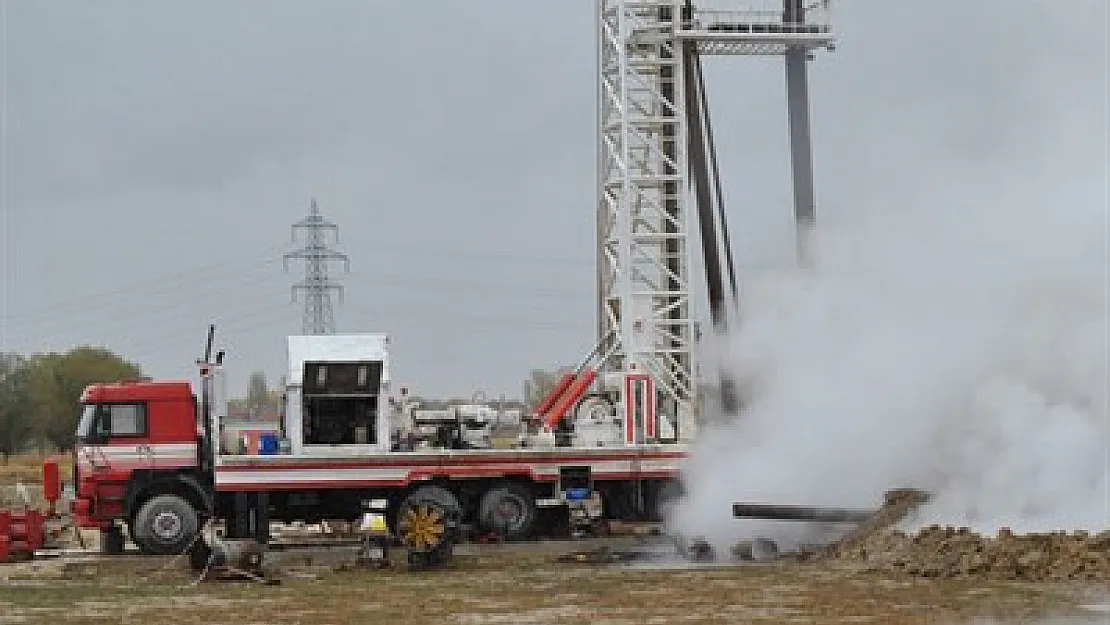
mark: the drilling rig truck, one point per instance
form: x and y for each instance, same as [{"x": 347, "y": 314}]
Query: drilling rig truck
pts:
[{"x": 150, "y": 464}]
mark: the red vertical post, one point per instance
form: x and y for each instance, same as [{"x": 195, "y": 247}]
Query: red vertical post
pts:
[
  {"x": 5, "y": 535},
  {"x": 51, "y": 484},
  {"x": 650, "y": 421}
]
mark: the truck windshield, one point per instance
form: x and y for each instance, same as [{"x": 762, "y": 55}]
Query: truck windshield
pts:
[{"x": 85, "y": 424}]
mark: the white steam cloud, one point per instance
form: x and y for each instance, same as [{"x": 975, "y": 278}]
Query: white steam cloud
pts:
[
  {"x": 961, "y": 349},
  {"x": 953, "y": 333}
]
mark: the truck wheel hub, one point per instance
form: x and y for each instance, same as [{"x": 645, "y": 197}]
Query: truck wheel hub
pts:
[
  {"x": 422, "y": 527},
  {"x": 167, "y": 525},
  {"x": 510, "y": 512}
]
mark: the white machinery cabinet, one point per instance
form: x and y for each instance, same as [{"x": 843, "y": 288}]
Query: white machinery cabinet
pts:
[{"x": 335, "y": 394}]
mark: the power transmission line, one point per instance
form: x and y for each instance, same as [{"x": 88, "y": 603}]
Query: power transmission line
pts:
[
  {"x": 317, "y": 286},
  {"x": 187, "y": 283},
  {"x": 201, "y": 275}
]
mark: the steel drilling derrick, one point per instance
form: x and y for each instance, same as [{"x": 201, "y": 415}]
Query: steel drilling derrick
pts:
[{"x": 654, "y": 153}]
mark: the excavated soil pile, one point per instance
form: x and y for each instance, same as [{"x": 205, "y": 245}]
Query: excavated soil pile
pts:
[
  {"x": 897, "y": 505},
  {"x": 958, "y": 553}
]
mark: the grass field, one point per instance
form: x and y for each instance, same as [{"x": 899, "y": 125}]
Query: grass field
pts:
[
  {"x": 501, "y": 588},
  {"x": 27, "y": 468}
]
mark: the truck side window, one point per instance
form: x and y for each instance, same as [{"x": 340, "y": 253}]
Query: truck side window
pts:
[
  {"x": 128, "y": 420},
  {"x": 121, "y": 420}
]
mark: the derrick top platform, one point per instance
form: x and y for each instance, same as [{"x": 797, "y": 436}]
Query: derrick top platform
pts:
[{"x": 760, "y": 28}]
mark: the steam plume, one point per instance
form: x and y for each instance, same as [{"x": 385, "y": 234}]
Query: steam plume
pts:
[{"x": 960, "y": 349}]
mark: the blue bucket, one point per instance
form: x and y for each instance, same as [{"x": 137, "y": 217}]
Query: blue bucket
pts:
[{"x": 268, "y": 443}]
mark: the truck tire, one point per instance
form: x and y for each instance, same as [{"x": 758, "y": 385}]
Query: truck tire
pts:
[
  {"x": 428, "y": 520},
  {"x": 165, "y": 525},
  {"x": 508, "y": 510}
]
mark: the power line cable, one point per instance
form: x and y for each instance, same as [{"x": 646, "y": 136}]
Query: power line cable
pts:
[
  {"x": 136, "y": 329},
  {"x": 173, "y": 284},
  {"x": 128, "y": 311},
  {"x": 247, "y": 323},
  {"x": 448, "y": 319},
  {"x": 240, "y": 326},
  {"x": 436, "y": 251},
  {"x": 137, "y": 312},
  {"x": 198, "y": 274}
]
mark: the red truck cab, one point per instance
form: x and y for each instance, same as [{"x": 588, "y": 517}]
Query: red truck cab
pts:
[{"x": 137, "y": 443}]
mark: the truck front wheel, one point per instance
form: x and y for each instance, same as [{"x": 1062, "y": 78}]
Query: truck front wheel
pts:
[{"x": 165, "y": 525}]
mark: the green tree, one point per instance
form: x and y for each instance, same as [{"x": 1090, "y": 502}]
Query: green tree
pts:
[
  {"x": 55, "y": 383},
  {"x": 15, "y": 426}
]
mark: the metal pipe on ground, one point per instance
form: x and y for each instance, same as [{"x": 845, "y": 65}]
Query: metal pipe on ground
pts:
[{"x": 770, "y": 512}]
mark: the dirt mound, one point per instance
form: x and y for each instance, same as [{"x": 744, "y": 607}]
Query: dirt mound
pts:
[
  {"x": 957, "y": 553},
  {"x": 897, "y": 505}
]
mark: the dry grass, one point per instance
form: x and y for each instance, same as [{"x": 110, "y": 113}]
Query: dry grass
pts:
[
  {"x": 517, "y": 589},
  {"x": 27, "y": 468}
]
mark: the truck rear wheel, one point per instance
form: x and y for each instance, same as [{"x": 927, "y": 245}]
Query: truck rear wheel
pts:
[
  {"x": 165, "y": 525},
  {"x": 509, "y": 510}
]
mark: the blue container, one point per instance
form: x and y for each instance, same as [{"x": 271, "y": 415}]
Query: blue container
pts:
[
  {"x": 268, "y": 443},
  {"x": 577, "y": 494}
]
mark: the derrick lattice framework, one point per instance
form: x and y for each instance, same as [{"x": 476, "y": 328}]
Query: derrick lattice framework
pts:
[
  {"x": 653, "y": 141},
  {"x": 316, "y": 287}
]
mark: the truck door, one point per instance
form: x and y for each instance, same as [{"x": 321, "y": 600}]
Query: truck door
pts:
[{"x": 122, "y": 437}]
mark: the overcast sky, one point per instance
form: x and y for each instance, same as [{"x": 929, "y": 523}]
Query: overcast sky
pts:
[{"x": 155, "y": 154}]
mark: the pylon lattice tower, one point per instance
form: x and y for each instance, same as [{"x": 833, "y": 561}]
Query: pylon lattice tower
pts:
[
  {"x": 657, "y": 169},
  {"x": 317, "y": 287}
]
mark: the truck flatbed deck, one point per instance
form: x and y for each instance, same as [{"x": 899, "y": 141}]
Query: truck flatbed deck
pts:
[{"x": 321, "y": 470}]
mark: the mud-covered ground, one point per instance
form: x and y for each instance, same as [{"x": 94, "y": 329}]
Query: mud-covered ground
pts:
[
  {"x": 527, "y": 585},
  {"x": 517, "y": 587}
]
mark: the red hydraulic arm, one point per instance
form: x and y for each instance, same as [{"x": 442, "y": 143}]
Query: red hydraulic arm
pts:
[
  {"x": 570, "y": 397},
  {"x": 570, "y": 389},
  {"x": 555, "y": 394}
]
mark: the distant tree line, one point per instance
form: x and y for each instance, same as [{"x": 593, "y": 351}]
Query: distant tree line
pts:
[{"x": 39, "y": 395}]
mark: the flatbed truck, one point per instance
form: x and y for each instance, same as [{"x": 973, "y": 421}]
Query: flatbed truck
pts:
[{"x": 150, "y": 463}]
